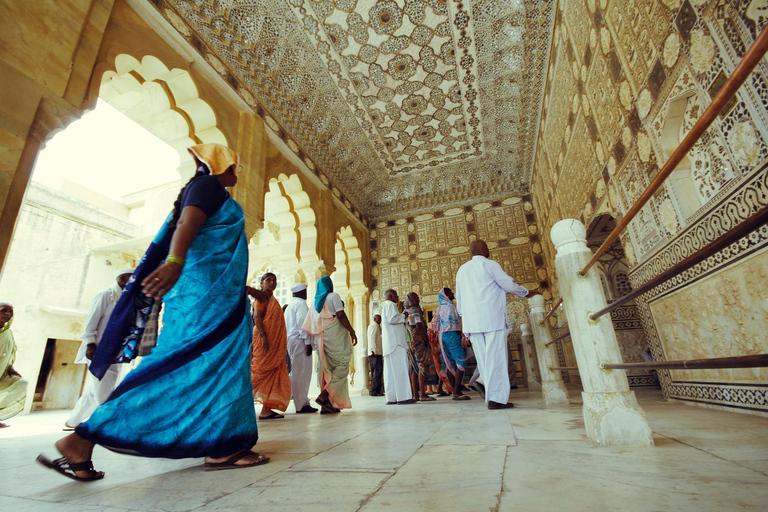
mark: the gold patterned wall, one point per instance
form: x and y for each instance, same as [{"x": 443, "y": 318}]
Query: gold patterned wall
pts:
[
  {"x": 424, "y": 252},
  {"x": 627, "y": 79}
]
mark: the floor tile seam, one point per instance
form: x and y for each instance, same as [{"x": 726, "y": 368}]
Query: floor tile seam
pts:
[
  {"x": 370, "y": 496},
  {"x": 497, "y": 508},
  {"x": 67, "y": 500},
  {"x": 360, "y": 471},
  {"x": 761, "y": 473},
  {"x": 224, "y": 495}
]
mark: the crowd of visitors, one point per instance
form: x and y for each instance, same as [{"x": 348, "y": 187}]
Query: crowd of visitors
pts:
[{"x": 219, "y": 352}]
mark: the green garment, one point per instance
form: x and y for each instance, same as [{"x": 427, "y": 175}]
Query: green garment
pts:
[{"x": 13, "y": 389}]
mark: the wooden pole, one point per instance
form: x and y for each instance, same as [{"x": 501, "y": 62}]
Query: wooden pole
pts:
[
  {"x": 757, "y": 361},
  {"x": 739, "y": 76}
]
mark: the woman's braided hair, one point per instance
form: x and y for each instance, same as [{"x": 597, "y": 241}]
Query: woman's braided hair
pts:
[{"x": 202, "y": 170}]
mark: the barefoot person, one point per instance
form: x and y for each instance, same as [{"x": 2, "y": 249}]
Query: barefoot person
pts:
[
  {"x": 423, "y": 372},
  {"x": 394, "y": 346},
  {"x": 453, "y": 344},
  {"x": 269, "y": 368},
  {"x": 329, "y": 324},
  {"x": 191, "y": 397},
  {"x": 13, "y": 389}
]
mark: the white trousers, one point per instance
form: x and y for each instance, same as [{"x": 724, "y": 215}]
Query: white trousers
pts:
[
  {"x": 95, "y": 393},
  {"x": 491, "y": 355},
  {"x": 397, "y": 384},
  {"x": 301, "y": 373}
]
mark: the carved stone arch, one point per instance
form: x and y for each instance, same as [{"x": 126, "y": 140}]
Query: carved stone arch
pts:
[
  {"x": 349, "y": 261},
  {"x": 288, "y": 206},
  {"x": 164, "y": 101},
  {"x": 680, "y": 184}
]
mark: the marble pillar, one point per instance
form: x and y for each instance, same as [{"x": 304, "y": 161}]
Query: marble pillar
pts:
[
  {"x": 552, "y": 386},
  {"x": 612, "y": 415},
  {"x": 527, "y": 350},
  {"x": 360, "y": 323}
]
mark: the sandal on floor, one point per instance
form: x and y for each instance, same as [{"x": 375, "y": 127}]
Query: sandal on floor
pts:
[
  {"x": 272, "y": 416},
  {"x": 428, "y": 399},
  {"x": 231, "y": 463},
  {"x": 68, "y": 469},
  {"x": 462, "y": 397}
]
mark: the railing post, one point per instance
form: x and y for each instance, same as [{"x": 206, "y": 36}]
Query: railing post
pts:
[
  {"x": 527, "y": 350},
  {"x": 552, "y": 386},
  {"x": 612, "y": 415}
]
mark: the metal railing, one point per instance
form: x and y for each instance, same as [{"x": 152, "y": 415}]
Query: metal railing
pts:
[
  {"x": 731, "y": 236},
  {"x": 737, "y": 78},
  {"x": 754, "y": 361}
]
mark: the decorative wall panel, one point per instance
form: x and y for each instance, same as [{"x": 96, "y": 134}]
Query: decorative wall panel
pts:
[
  {"x": 642, "y": 71},
  {"x": 423, "y": 253}
]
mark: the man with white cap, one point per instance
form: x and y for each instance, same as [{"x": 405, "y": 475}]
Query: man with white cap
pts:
[
  {"x": 97, "y": 391},
  {"x": 299, "y": 349}
]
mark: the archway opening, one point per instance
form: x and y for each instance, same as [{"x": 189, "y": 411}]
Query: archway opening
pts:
[{"x": 100, "y": 189}]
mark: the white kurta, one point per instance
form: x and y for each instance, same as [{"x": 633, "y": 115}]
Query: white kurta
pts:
[
  {"x": 298, "y": 340},
  {"x": 374, "y": 338},
  {"x": 96, "y": 391},
  {"x": 481, "y": 288},
  {"x": 397, "y": 384}
]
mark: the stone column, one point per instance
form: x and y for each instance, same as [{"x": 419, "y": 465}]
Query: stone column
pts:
[
  {"x": 552, "y": 386},
  {"x": 360, "y": 323},
  {"x": 526, "y": 347},
  {"x": 611, "y": 413}
]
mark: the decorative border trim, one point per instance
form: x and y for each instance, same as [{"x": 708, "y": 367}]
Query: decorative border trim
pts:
[{"x": 748, "y": 196}]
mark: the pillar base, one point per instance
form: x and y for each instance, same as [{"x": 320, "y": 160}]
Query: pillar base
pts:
[
  {"x": 615, "y": 419},
  {"x": 554, "y": 392},
  {"x": 534, "y": 386}
]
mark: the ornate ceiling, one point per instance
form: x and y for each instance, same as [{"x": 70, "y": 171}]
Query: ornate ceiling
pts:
[{"x": 398, "y": 105}]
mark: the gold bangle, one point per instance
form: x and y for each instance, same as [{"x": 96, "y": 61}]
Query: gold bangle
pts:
[{"x": 175, "y": 259}]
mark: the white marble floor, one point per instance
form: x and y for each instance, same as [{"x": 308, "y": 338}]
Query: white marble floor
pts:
[{"x": 439, "y": 456}]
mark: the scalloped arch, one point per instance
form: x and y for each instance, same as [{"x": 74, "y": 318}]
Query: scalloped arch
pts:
[{"x": 164, "y": 101}]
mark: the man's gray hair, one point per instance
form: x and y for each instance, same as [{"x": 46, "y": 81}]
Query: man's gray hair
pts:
[{"x": 389, "y": 293}]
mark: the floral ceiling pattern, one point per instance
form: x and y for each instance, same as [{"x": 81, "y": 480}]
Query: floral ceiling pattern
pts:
[{"x": 399, "y": 105}]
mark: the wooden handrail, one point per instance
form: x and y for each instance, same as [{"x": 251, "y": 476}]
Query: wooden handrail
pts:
[
  {"x": 731, "y": 236},
  {"x": 552, "y": 311},
  {"x": 559, "y": 338},
  {"x": 737, "y": 78},
  {"x": 757, "y": 361}
]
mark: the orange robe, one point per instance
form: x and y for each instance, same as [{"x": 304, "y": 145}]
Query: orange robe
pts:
[{"x": 269, "y": 371}]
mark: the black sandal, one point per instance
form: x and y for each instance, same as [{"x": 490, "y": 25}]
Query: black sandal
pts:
[
  {"x": 64, "y": 467},
  {"x": 231, "y": 463}
]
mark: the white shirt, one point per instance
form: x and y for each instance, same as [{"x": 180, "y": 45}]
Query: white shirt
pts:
[
  {"x": 333, "y": 301},
  {"x": 392, "y": 328},
  {"x": 481, "y": 288},
  {"x": 96, "y": 321},
  {"x": 295, "y": 314},
  {"x": 374, "y": 338}
]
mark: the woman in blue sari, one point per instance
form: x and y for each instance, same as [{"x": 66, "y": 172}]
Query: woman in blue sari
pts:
[
  {"x": 192, "y": 396},
  {"x": 453, "y": 344}
]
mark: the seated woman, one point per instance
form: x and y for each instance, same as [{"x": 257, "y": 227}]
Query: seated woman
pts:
[
  {"x": 13, "y": 389},
  {"x": 330, "y": 325}
]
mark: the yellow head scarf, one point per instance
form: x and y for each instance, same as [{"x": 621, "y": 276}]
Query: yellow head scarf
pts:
[{"x": 217, "y": 157}]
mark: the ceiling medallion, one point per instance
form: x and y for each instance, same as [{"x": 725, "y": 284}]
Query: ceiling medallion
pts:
[{"x": 404, "y": 104}]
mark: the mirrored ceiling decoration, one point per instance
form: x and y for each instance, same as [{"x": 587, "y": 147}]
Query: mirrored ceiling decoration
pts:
[{"x": 403, "y": 105}]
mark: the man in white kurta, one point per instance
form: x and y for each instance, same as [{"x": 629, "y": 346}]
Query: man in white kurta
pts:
[
  {"x": 394, "y": 343},
  {"x": 97, "y": 391},
  {"x": 481, "y": 288},
  {"x": 299, "y": 349}
]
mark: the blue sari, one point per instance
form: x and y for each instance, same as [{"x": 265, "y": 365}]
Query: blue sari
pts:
[{"x": 192, "y": 396}]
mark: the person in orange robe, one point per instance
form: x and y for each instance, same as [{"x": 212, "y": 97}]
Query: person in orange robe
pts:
[{"x": 269, "y": 370}]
